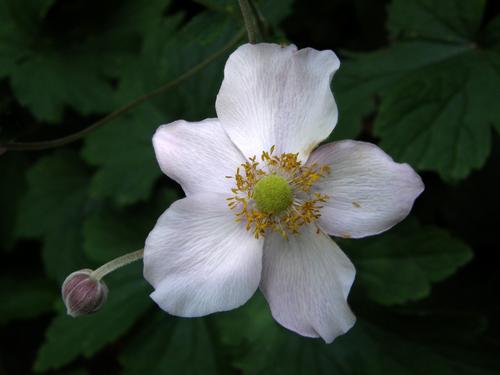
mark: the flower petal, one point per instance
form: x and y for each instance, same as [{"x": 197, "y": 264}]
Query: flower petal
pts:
[
  {"x": 306, "y": 279},
  {"x": 199, "y": 260},
  {"x": 198, "y": 155},
  {"x": 273, "y": 95},
  {"x": 369, "y": 192}
]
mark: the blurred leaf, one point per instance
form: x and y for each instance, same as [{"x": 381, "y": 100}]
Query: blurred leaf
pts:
[
  {"x": 50, "y": 70},
  {"x": 171, "y": 345},
  {"x": 193, "y": 42},
  {"x": 124, "y": 152},
  {"x": 67, "y": 338},
  {"x": 110, "y": 233},
  {"x": 53, "y": 209},
  {"x": 401, "y": 265},
  {"x": 12, "y": 188},
  {"x": 263, "y": 347},
  {"x": 25, "y": 297},
  {"x": 437, "y": 84},
  {"x": 273, "y": 11},
  {"x": 79, "y": 371},
  {"x": 449, "y": 20}
]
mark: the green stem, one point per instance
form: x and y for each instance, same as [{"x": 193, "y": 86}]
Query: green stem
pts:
[
  {"x": 248, "y": 19},
  {"x": 262, "y": 24},
  {"x": 116, "y": 263},
  {"x": 43, "y": 145}
]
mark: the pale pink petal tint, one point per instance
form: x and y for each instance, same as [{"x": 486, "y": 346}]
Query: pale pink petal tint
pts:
[
  {"x": 196, "y": 154},
  {"x": 202, "y": 256},
  {"x": 306, "y": 280},
  {"x": 369, "y": 192},
  {"x": 278, "y": 96},
  {"x": 199, "y": 260}
]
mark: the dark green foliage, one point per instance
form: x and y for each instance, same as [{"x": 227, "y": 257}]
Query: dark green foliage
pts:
[
  {"x": 53, "y": 209},
  {"x": 401, "y": 265},
  {"x": 67, "y": 337},
  {"x": 367, "y": 349},
  {"x": 439, "y": 84},
  {"x": 429, "y": 96},
  {"x": 183, "y": 346},
  {"x": 25, "y": 297},
  {"x": 13, "y": 169}
]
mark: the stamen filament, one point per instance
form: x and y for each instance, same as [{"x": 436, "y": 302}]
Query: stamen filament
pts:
[{"x": 302, "y": 209}]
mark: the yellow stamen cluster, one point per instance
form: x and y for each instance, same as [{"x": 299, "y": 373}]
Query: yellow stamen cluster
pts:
[{"x": 305, "y": 207}]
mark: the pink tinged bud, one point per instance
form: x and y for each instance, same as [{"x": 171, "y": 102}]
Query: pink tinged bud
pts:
[{"x": 83, "y": 294}]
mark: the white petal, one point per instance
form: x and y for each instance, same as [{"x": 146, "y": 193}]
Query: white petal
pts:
[
  {"x": 198, "y": 155},
  {"x": 369, "y": 192},
  {"x": 306, "y": 280},
  {"x": 273, "y": 95},
  {"x": 199, "y": 260}
]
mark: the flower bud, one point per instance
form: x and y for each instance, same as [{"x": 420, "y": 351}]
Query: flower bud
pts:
[{"x": 83, "y": 294}]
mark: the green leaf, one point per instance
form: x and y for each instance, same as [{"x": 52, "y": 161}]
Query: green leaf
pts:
[
  {"x": 12, "y": 188},
  {"x": 67, "y": 338},
  {"x": 402, "y": 264},
  {"x": 274, "y": 12},
  {"x": 60, "y": 82},
  {"x": 52, "y": 68},
  {"x": 124, "y": 152},
  {"x": 450, "y": 20},
  {"x": 110, "y": 232},
  {"x": 261, "y": 346},
  {"x": 53, "y": 209},
  {"x": 171, "y": 345},
  {"x": 437, "y": 85},
  {"x": 25, "y": 297},
  {"x": 442, "y": 120},
  {"x": 194, "y": 42}
]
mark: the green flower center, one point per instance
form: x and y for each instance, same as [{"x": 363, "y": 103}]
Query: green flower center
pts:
[{"x": 272, "y": 194}]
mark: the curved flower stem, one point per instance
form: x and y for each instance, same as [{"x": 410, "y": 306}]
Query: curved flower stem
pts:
[
  {"x": 262, "y": 24},
  {"x": 248, "y": 18},
  {"x": 116, "y": 263},
  {"x": 43, "y": 145}
]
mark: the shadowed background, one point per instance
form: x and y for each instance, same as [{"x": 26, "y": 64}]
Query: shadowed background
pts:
[{"x": 418, "y": 77}]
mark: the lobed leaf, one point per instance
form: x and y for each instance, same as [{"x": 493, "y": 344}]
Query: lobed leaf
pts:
[
  {"x": 68, "y": 338},
  {"x": 402, "y": 264},
  {"x": 53, "y": 209},
  {"x": 437, "y": 84}
]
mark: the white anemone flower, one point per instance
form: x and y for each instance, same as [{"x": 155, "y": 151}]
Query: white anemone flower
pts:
[{"x": 261, "y": 200}]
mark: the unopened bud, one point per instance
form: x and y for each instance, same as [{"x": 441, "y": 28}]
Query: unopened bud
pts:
[{"x": 83, "y": 294}]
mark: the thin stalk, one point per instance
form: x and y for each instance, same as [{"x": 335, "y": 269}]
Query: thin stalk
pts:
[
  {"x": 262, "y": 24},
  {"x": 43, "y": 145},
  {"x": 116, "y": 263},
  {"x": 249, "y": 20}
]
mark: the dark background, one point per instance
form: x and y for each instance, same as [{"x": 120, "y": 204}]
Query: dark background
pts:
[{"x": 426, "y": 294}]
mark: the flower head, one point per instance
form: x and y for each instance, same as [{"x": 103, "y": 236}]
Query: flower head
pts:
[
  {"x": 82, "y": 294},
  {"x": 261, "y": 200}
]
